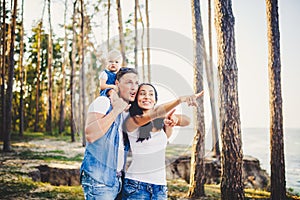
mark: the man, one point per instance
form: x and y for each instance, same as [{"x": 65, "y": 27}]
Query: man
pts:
[{"x": 104, "y": 157}]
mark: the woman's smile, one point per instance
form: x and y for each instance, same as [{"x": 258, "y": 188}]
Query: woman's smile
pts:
[{"x": 146, "y": 97}]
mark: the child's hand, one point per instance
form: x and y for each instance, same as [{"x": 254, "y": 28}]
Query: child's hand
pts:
[
  {"x": 114, "y": 87},
  {"x": 113, "y": 95}
]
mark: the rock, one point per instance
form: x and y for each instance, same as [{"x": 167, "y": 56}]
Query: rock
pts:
[
  {"x": 58, "y": 175},
  {"x": 253, "y": 175},
  {"x": 35, "y": 175}
]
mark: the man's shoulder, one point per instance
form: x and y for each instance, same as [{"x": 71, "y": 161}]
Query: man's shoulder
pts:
[
  {"x": 100, "y": 104},
  {"x": 101, "y": 98}
]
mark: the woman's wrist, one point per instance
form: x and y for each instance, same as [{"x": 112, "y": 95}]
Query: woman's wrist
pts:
[{"x": 182, "y": 99}]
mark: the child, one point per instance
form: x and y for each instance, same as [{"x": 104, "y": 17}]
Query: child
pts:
[{"x": 108, "y": 76}]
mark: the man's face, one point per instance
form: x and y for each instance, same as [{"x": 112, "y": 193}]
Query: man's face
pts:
[{"x": 128, "y": 85}]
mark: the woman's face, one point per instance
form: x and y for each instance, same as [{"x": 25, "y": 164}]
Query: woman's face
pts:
[{"x": 146, "y": 97}]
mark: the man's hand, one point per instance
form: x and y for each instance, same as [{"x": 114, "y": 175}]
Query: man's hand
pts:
[{"x": 118, "y": 104}]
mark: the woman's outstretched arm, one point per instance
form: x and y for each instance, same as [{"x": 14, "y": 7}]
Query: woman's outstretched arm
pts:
[{"x": 160, "y": 111}]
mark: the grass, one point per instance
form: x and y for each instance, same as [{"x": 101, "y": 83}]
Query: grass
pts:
[
  {"x": 15, "y": 184},
  {"x": 28, "y": 136},
  {"x": 178, "y": 189},
  {"x": 48, "y": 156}
]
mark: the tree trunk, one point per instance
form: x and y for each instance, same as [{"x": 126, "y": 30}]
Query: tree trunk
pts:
[
  {"x": 3, "y": 66},
  {"x": 82, "y": 72},
  {"x": 21, "y": 109},
  {"x": 136, "y": 4},
  {"x": 121, "y": 33},
  {"x": 38, "y": 67},
  {"x": 50, "y": 57},
  {"x": 148, "y": 41},
  {"x": 211, "y": 86},
  {"x": 232, "y": 155},
  {"x": 197, "y": 173},
  {"x": 278, "y": 182},
  {"x": 9, "y": 91},
  {"x": 73, "y": 62},
  {"x": 108, "y": 25},
  {"x": 142, "y": 44},
  {"x": 63, "y": 84}
]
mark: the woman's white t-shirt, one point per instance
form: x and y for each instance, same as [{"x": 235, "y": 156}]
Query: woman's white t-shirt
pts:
[{"x": 148, "y": 158}]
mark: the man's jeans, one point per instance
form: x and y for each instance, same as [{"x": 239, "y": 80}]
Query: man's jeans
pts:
[
  {"x": 94, "y": 190},
  {"x": 143, "y": 191}
]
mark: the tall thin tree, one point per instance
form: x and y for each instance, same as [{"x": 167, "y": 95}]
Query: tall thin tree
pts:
[
  {"x": 197, "y": 173},
  {"x": 136, "y": 4},
  {"x": 10, "y": 82},
  {"x": 148, "y": 40},
  {"x": 278, "y": 182},
  {"x": 50, "y": 58},
  {"x": 82, "y": 70},
  {"x": 121, "y": 33},
  {"x": 108, "y": 24},
  {"x": 21, "y": 109},
  {"x": 142, "y": 43},
  {"x": 63, "y": 71},
  {"x": 73, "y": 64},
  {"x": 211, "y": 86},
  {"x": 38, "y": 67},
  {"x": 3, "y": 66},
  {"x": 230, "y": 125}
]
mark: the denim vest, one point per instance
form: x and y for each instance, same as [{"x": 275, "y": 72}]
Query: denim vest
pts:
[
  {"x": 100, "y": 157},
  {"x": 111, "y": 79}
]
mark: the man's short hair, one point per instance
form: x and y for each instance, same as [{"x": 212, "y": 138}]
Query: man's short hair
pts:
[{"x": 125, "y": 70}]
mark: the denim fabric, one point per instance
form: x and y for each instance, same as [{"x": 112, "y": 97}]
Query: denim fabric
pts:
[
  {"x": 93, "y": 190},
  {"x": 100, "y": 157},
  {"x": 133, "y": 190},
  {"x": 111, "y": 79}
]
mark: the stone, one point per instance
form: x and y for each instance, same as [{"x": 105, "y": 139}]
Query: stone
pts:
[
  {"x": 59, "y": 175},
  {"x": 253, "y": 176}
]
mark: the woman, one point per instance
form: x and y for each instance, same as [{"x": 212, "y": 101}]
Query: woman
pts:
[{"x": 148, "y": 129}]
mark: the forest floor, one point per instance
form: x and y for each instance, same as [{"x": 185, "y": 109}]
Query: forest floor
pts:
[{"x": 38, "y": 148}]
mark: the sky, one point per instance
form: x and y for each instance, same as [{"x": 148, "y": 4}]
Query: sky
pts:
[{"x": 171, "y": 52}]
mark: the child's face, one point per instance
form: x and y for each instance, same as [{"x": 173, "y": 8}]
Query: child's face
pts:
[{"x": 113, "y": 64}]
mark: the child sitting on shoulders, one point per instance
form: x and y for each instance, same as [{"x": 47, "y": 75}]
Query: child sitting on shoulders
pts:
[{"x": 108, "y": 76}]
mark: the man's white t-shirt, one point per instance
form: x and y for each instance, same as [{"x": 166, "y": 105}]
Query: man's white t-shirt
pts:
[{"x": 101, "y": 105}]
